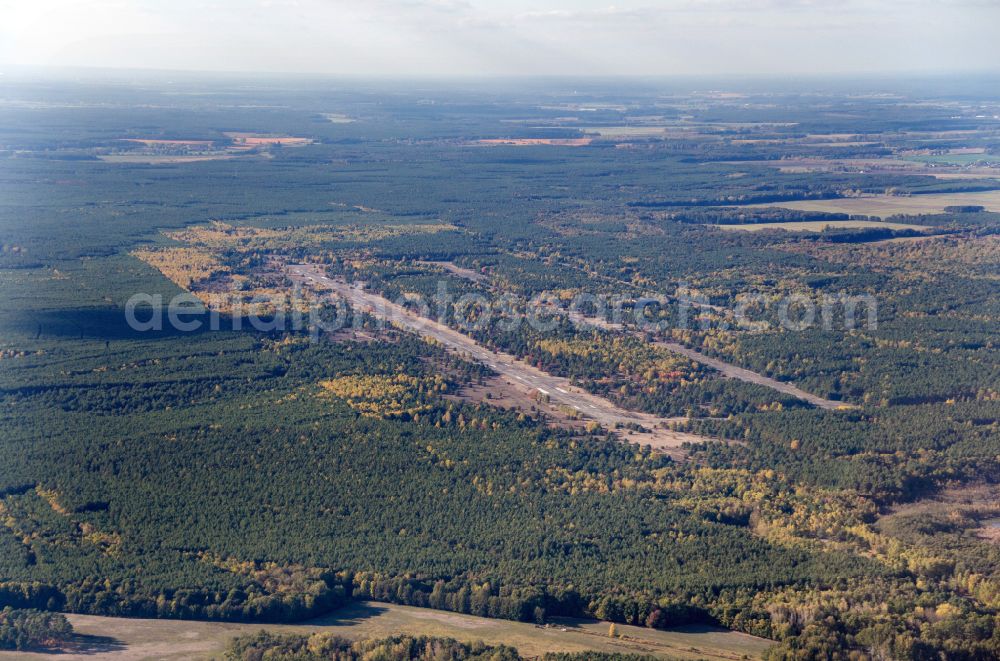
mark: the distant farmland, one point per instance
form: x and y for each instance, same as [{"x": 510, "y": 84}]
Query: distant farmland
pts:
[
  {"x": 132, "y": 638},
  {"x": 818, "y": 225},
  {"x": 884, "y": 206}
]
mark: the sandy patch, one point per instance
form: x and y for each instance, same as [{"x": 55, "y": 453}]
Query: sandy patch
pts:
[
  {"x": 253, "y": 140},
  {"x": 525, "y": 142}
]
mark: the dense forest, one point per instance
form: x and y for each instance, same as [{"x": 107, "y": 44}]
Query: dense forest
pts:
[
  {"x": 318, "y": 647},
  {"x": 265, "y": 475},
  {"x": 32, "y": 629}
]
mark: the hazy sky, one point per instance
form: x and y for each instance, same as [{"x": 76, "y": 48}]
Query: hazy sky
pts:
[{"x": 483, "y": 37}]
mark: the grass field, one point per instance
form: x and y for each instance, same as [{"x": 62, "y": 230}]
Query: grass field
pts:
[
  {"x": 529, "y": 142},
  {"x": 157, "y": 159},
  {"x": 884, "y": 206},
  {"x": 953, "y": 159},
  {"x": 626, "y": 131},
  {"x": 818, "y": 225},
  {"x": 134, "y": 639}
]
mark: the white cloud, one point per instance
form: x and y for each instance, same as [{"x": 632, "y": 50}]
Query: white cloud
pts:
[{"x": 470, "y": 37}]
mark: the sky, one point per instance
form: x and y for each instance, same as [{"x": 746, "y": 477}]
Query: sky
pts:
[{"x": 442, "y": 38}]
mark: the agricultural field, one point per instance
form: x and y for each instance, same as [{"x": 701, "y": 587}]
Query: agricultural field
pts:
[
  {"x": 225, "y": 145},
  {"x": 534, "y": 142},
  {"x": 820, "y": 225},
  {"x": 119, "y": 638},
  {"x": 596, "y": 402},
  {"x": 885, "y": 206}
]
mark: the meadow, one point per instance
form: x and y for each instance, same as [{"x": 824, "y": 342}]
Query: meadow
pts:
[
  {"x": 886, "y": 206},
  {"x": 118, "y": 638},
  {"x": 819, "y": 226}
]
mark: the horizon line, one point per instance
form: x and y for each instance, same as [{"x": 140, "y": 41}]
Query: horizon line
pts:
[{"x": 9, "y": 68}]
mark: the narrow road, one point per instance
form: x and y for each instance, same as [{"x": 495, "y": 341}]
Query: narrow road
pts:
[
  {"x": 734, "y": 372},
  {"x": 455, "y": 269},
  {"x": 557, "y": 389},
  {"x": 726, "y": 369}
]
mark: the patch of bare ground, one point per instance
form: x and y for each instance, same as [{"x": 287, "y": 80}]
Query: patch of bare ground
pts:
[
  {"x": 455, "y": 269},
  {"x": 506, "y": 393},
  {"x": 243, "y": 140},
  {"x": 973, "y": 495},
  {"x": 172, "y": 143},
  {"x": 662, "y": 439},
  {"x": 991, "y": 531},
  {"x": 980, "y": 502},
  {"x": 527, "y": 142},
  {"x": 355, "y": 335}
]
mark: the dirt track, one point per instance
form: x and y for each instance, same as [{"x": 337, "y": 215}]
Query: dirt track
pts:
[
  {"x": 455, "y": 269},
  {"x": 734, "y": 372},
  {"x": 726, "y": 369},
  {"x": 555, "y": 389}
]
